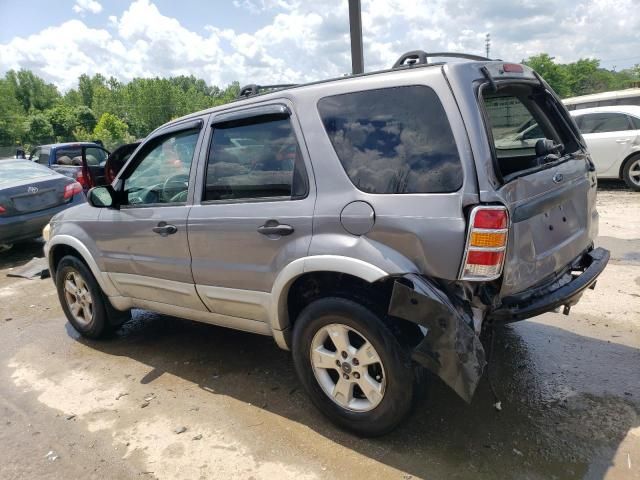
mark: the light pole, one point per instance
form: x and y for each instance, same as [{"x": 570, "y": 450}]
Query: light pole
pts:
[{"x": 355, "y": 27}]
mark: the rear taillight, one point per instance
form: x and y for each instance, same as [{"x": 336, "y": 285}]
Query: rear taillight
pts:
[
  {"x": 512, "y": 68},
  {"x": 72, "y": 189},
  {"x": 80, "y": 179},
  {"x": 2, "y": 209},
  {"x": 486, "y": 243}
]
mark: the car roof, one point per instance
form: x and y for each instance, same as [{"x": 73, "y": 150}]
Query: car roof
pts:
[
  {"x": 277, "y": 93},
  {"x": 68, "y": 144},
  {"x": 629, "y": 109}
]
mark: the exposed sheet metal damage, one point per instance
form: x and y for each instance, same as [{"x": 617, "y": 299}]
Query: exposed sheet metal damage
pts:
[{"x": 451, "y": 349}]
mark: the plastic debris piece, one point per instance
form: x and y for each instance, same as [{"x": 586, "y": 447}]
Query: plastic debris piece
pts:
[
  {"x": 180, "y": 430},
  {"x": 498, "y": 406}
]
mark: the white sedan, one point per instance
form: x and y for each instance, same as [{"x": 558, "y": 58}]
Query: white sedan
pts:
[{"x": 613, "y": 138}]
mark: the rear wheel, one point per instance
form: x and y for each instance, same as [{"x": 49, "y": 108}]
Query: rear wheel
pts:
[
  {"x": 352, "y": 367},
  {"x": 631, "y": 173},
  {"x": 82, "y": 300}
]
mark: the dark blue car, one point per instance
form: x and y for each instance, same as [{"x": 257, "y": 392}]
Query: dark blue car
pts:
[
  {"x": 30, "y": 195},
  {"x": 82, "y": 161}
]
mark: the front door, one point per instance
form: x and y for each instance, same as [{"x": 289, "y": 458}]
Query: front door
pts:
[
  {"x": 144, "y": 243},
  {"x": 255, "y": 213}
]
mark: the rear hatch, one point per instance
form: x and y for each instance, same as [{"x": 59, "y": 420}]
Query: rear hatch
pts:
[
  {"x": 27, "y": 195},
  {"x": 547, "y": 180}
]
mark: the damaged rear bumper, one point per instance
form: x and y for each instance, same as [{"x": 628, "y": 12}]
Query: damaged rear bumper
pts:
[
  {"x": 450, "y": 349},
  {"x": 565, "y": 291}
]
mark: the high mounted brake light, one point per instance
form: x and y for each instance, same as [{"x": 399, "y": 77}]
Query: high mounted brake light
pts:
[
  {"x": 512, "y": 68},
  {"x": 486, "y": 243}
]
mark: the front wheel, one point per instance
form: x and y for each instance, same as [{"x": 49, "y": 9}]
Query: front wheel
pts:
[
  {"x": 82, "y": 300},
  {"x": 631, "y": 173},
  {"x": 353, "y": 368}
]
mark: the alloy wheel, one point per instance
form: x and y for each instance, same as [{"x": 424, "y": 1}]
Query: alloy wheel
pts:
[
  {"x": 348, "y": 367},
  {"x": 78, "y": 298}
]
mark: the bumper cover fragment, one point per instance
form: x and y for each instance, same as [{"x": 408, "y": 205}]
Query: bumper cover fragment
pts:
[{"x": 450, "y": 349}]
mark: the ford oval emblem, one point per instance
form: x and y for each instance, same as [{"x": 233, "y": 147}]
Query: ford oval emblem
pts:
[
  {"x": 32, "y": 190},
  {"x": 558, "y": 177}
]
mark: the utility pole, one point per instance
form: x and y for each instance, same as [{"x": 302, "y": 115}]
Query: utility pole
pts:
[
  {"x": 355, "y": 27},
  {"x": 487, "y": 44}
]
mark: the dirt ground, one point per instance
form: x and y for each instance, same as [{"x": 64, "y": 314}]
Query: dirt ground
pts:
[{"x": 71, "y": 408}]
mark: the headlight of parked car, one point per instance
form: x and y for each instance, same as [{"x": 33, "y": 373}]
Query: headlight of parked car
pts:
[{"x": 46, "y": 231}]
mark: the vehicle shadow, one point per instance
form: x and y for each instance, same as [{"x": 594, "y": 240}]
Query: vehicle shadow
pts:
[
  {"x": 21, "y": 253},
  {"x": 563, "y": 414}
]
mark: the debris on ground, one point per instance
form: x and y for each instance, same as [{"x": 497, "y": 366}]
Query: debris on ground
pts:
[
  {"x": 35, "y": 268},
  {"x": 51, "y": 456},
  {"x": 144, "y": 404},
  {"x": 498, "y": 406},
  {"x": 120, "y": 395},
  {"x": 517, "y": 452},
  {"x": 180, "y": 430},
  {"x": 197, "y": 437},
  {"x": 71, "y": 417}
]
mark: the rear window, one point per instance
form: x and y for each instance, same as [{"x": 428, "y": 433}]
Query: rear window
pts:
[
  {"x": 393, "y": 140},
  {"x": 69, "y": 156},
  {"x": 21, "y": 170},
  {"x": 519, "y": 116}
]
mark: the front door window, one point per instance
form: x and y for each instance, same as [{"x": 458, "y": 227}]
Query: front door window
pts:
[{"x": 162, "y": 176}]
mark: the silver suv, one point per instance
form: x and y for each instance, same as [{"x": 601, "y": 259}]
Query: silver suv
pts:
[{"x": 374, "y": 225}]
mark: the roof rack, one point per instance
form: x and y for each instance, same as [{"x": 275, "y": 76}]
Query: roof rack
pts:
[
  {"x": 253, "y": 89},
  {"x": 420, "y": 57}
]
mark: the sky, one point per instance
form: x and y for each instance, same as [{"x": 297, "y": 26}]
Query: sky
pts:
[{"x": 292, "y": 41}]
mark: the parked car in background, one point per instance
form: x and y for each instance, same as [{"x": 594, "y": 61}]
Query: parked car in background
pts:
[
  {"x": 629, "y": 96},
  {"x": 30, "y": 195},
  {"x": 613, "y": 138},
  {"x": 367, "y": 223},
  {"x": 82, "y": 161}
]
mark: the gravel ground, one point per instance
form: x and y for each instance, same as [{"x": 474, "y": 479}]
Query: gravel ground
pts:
[{"x": 171, "y": 399}]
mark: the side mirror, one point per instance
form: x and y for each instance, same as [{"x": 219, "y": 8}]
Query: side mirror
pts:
[{"x": 102, "y": 197}]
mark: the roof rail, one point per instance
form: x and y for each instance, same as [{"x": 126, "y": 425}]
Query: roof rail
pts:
[
  {"x": 420, "y": 57},
  {"x": 253, "y": 89}
]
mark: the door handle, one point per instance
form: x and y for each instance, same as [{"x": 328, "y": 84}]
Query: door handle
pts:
[
  {"x": 273, "y": 228},
  {"x": 163, "y": 229}
]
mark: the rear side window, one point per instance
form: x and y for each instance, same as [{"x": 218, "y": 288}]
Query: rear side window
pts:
[
  {"x": 604, "y": 122},
  {"x": 393, "y": 140},
  {"x": 636, "y": 122}
]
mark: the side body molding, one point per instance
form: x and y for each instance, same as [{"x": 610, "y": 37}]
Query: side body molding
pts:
[{"x": 102, "y": 278}]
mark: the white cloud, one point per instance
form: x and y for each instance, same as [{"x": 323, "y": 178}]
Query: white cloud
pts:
[
  {"x": 83, "y": 6},
  {"x": 304, "y": 41}
]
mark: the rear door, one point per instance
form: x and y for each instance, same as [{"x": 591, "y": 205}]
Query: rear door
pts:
[
  {"x": 93, "y": 160},
  {"x": 610, "y": 137},
  {"x": 550, "y": 195},
  {"x": 255, "y": 212}
]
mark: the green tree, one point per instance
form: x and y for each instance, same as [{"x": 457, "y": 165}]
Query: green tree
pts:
[
  {"x": 31, "y": 91},
  {"x": 11, "y": 115},
  {"x": 112, "y": 131},
  {"x": 38, "y": 130},
  {"x": 555, "y": 75}
]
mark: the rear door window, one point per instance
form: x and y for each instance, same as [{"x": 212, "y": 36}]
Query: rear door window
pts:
[
  {"x": 95, "y": 156},
  {"x": 604, "y": 122},
  {"x": 635, "y": 121},
  {"x": 255, "y": 158},
  {"x": 393, "y": 140}
]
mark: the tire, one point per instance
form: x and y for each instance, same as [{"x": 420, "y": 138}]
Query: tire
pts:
[
  {"x": 375, "y": 414},
  {"x": 629, "y": 175},
  {"x": 92, "y": 320}
]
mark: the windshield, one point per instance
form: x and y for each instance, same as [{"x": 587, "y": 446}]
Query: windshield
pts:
[{"x": 11, "y": 171}]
